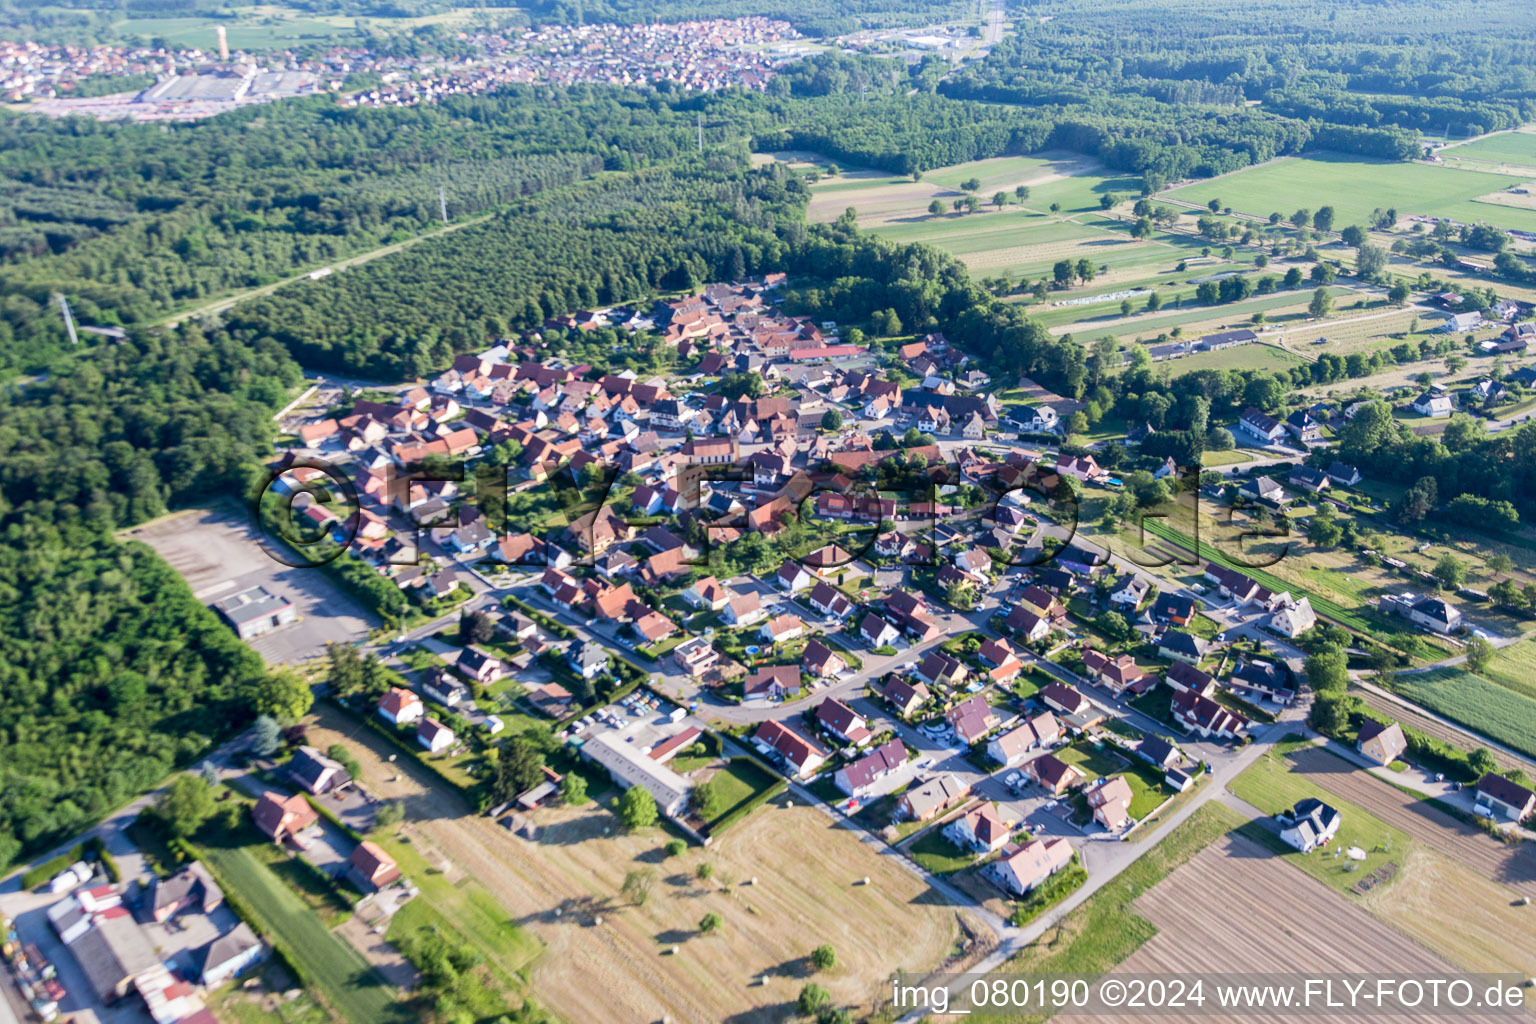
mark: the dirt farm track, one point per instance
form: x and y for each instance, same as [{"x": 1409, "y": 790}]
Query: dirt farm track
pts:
[{"x": 1233, "y": 907}]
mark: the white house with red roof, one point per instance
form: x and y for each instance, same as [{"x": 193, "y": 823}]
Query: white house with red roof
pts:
[
  {"x": 1110, "y": 799},
  {"x": 798, "y": 755},
  {"x": 400, "y": 707}
]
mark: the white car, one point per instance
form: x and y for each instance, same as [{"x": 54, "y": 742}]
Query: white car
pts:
[{"x": 1012, "y": 779}]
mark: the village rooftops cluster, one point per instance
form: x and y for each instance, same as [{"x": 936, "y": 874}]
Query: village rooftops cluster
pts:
[{"x": 703, "y": 55}]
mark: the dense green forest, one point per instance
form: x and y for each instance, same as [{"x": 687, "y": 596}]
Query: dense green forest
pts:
[
  {"x": 112, "y": 673},
  {"x": 1286, "y": 75}
]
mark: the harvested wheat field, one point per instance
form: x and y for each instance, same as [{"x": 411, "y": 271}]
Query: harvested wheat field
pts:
[
  {"x": 807, "y": 892},
  {"x": 1236, "y": 908},
  {"x": 1476, "y": 924},
  {"x": 1512, "y": 866},
  {"x": 888, "y": 201}
]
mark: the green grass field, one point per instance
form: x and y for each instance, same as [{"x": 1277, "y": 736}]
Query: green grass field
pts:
[
  {"x": 988, "y": 229},
  {"x": 1271, "y": 786},
  {"x": 997, "y": 173},
  {"x": 1093, "y": 761},
  {"x": 1232, "y": 313},
  {"x": 246, "y": 32},
  {"x": 1244, "y": 357},
  {"x": 346, "y": 981},
  {"x": 739, "y": 781},
  {"x": 1514, "y": 668},
  {"x": 1486, "y": 707},
  {"x": 1506, "y": 147},
  {"x": 1355, "y": 187},
  {"x": 934, "y": 851}
]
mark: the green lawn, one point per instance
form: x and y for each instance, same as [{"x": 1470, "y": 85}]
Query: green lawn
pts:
[
  {"x": 978, "y": 232},
  {"x": 344, "y": 978},
  {"x": 997, "y": 173},
  {"x": 245, "y": 33},
  {"x": 935, "y": 852},
  {"x": 1055, "y": 889},
  {"x": 1271, "y": 786},
  {"x": 1093, "y": 761},
  {"x": 1156, "y": 704},
  {"x": 1148, "y": 791},
  {"x": 1354, "y": 187},
  {"x": 738, "y": 782}
]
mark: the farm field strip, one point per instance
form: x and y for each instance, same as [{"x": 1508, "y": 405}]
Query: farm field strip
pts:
[
  {"x": 1460, "y": 914},
  {"x": 1354, "y": 187},
  {"x": 1480, "y": 705},
  {"x": 1516, "y": 147},
  {"x": 347, "y": 981},
  {"x": 1429, "y": 726},
  {"x": 1237, "y": 905},
  {"x": 987, "y": 229}
]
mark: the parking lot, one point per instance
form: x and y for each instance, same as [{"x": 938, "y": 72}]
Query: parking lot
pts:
[{"x": 219, "y": 553}]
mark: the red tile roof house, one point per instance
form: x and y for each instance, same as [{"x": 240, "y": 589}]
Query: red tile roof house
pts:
[
  {"x": 1111, "y": 802},
  {"x": 434, "y": 735},
  {"x": 799, "y": 757},
  {"x": 793, "y": 576},
  {"x": 1054, "y": 774},
  {"x": 843, "y": 722},
  {"x": 828, "y": 600},
  {"x": 820, "y": 661},
  {"x": 781, "y": 628},
  {"x": 744, "y": 610},
  {"x": 283, "y": 817},
  {"x": 859, "y": 778},
  {"x": 981, "y": 829},
  {"x": 1065, "y": 699},
  {"x": 1183, "y": 676},
  {"x": 1022, "y": 868},
  {"x": 1202, "y": 715},
  {"x": 482, "y": 668},
  {"x": 772, "y": 683},
  {"x": 939, "y": 667},
  {"x": 370, "y": 867},
  {"x": 400, "y": 707},
  {"x": 707, "y": 593}
]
